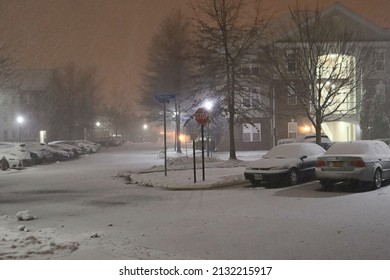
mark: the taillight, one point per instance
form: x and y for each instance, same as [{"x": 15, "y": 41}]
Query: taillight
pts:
[
  {"x": 320, "y": 163},
  {"x": 358, "y": 163}
]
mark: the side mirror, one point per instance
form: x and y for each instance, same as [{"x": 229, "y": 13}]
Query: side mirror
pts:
[{"x": 303, "y": 157}]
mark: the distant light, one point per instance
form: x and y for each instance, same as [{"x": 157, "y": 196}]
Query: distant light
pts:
[
  {"x": 20, "y": 119},
  {"x": 182, "y": 138},
  {"x": 98, "y": 124},
  {"x": 145, "y": 126},
  {"x": 306, "y": 128}
]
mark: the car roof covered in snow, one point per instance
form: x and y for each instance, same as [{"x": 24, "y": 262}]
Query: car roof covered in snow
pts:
[{"x": 295, "y": 150}]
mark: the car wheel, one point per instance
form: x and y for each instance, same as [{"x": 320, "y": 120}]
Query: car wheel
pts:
[
  {"x": 34, "y": 159},
  {"x": 377, "y": 183},
  {"x": 292, "y": 177},
  {"x": 326, "y": 185},
  {"x": 4, "y": 164}
]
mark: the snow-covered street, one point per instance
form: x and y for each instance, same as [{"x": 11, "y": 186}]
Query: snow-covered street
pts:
[{"x": 86, "y": 209}]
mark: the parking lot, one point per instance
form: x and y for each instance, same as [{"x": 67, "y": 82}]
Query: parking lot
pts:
[{"x": 89, "y": 210}]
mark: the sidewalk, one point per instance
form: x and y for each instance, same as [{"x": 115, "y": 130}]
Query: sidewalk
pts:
[
  {"x": 184, "y": 179},
  {"x": 219, "y": 172}
]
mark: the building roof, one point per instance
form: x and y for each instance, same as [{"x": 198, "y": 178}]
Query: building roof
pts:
[{"x": 367, "y": 29}]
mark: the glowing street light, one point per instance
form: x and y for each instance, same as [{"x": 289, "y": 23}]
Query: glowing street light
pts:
[
  {"x": 145, "y": 126},
  {"x": 20, "y": 120},
  {"x": 98, "y": 124},
  {"x": 208, "y": 105}
]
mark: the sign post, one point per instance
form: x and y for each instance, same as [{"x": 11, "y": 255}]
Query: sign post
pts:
[
  {"x": 193, "y": 138},
  {"x": 202, "y": 117},
  {"x": 165, "y": 98}
]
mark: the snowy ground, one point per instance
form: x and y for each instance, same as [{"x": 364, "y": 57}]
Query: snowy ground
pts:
[
  {"x": 41, "y": 236},
  {"x": 85, "y": 209}
]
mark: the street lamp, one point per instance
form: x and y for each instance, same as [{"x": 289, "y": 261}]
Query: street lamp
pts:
[
  {"x": 20, "y": 120},
  {"x": 208, "y": 105}
]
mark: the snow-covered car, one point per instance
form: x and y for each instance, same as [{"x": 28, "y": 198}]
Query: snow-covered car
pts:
[
  {"x": 78, "y": 150},
  {"x": 360, "y": 162},
  {"x": 311, "y": 138},
  {"x": 287, "y": 163},
  {"x": 9, "y": 161},
  {"x": 39, "y": 152},
  {"x": 13, "y": 155},
  {"x": 59, "y": 154},
  {"x": 88, "y": 146},
  {"x": 71, "y": 150}
]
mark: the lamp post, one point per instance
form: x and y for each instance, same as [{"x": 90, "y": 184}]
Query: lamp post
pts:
[
  {"x": 208, "y": 106},
  {"x": 145, "y": 132},
  {"x": 20, "y": 120}
]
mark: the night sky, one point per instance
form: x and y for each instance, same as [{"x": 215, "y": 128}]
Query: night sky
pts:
[{"x": 111, "y": 35}]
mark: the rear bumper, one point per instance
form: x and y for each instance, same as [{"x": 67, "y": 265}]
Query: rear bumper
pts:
[{"x": 359, "y": 174}]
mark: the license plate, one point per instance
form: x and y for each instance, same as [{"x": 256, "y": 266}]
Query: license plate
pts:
[
  {"x": 337, "y": 164},
  {"x": 258, "y": 177}
]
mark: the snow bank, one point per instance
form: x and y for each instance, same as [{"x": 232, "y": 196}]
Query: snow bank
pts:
[{"x": 25, "y": 242}]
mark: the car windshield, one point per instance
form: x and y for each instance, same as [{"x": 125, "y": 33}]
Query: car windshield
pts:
[
  {"x": 348, "y": 149},
  {"x": 284, "y": 151}
]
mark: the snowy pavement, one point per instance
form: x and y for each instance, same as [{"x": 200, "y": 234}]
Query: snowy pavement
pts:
[
  {"x": 86, "y": 210},
  {"x": 219, "y": 172}
]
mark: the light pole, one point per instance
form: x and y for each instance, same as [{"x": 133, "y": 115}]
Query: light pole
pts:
[
  {"x": 208, "y": 106},
  {"x": 145, "y": 129},
  {"x": 97, "y": 132},
  {"x": 20, "y": 120}
]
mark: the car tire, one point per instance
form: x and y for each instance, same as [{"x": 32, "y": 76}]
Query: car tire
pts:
[
  {"x": 34, "y": 159},
  {"x": 326, "y": 185},
  {"x": 4, "y": 164},
  {"x": 377, "y": 180},
  {"x": 292, "y": 177}
]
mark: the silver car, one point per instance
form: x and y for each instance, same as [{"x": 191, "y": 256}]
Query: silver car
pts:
[
  {"x": 359, "y": 162},
  {"x": 287, "y": 163}
]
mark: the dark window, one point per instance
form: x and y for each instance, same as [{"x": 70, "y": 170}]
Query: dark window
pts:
[
  {"x": 380, "y": 60},
  {"x": 292, "y": 98},
  {"x": 291, "y": 61}
]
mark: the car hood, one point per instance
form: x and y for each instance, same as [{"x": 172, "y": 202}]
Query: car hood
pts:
[{"x": 268, "y": 163}]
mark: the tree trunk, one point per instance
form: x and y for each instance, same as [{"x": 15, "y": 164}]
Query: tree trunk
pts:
[
  {"x": 231, "y": 135},
  {"x": 318, "y": 128}
]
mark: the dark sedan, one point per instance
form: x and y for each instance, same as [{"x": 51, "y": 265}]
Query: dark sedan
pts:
[{"x": 286, "y": 163}]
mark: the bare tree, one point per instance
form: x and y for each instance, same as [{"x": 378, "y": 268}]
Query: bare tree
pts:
[
  {"x": 71, "y": 102},
  {"x": 321, "y": 62},
  {"x": 169, "y": 67},
  {"x": 117, "y": 112},
  {"x": 229, "y": 33},
  {"x": 374, "y": 119}
]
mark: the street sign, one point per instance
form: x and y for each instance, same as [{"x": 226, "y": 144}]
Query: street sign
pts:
[
  {"x": 164, "y": 98},
  {"x": 202, "y": 116}
]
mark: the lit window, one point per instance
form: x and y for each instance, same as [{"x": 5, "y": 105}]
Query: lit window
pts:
[{"x": 251, "y": 132}]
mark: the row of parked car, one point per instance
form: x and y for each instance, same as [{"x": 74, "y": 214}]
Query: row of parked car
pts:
[
  {"x": 18, "y": 155},
  {"x": 357, "y": 163}
]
